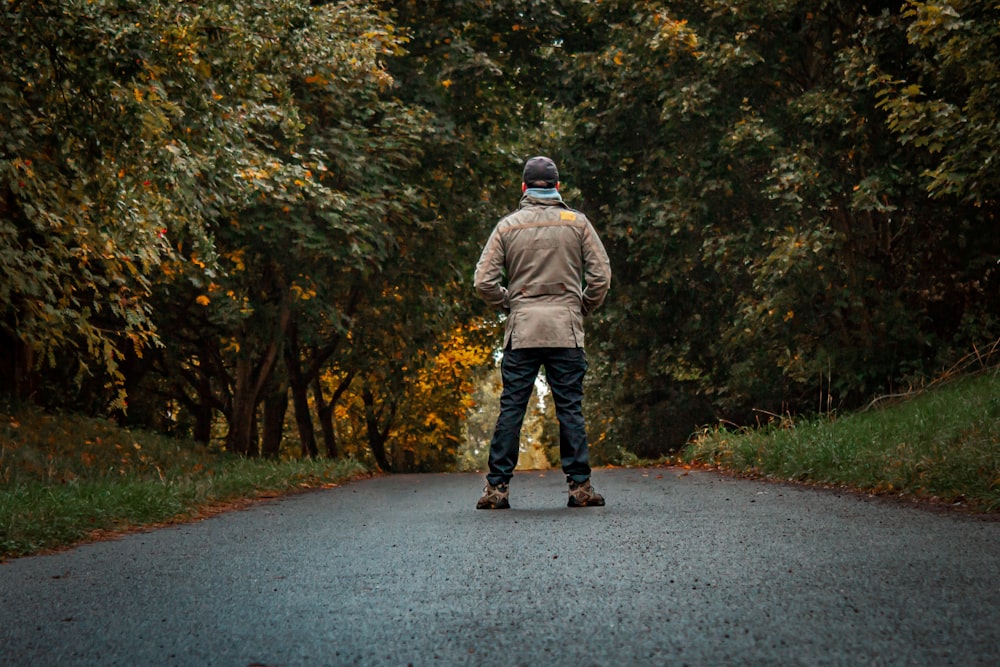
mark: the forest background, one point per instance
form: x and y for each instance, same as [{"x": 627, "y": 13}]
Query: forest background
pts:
[{"x": 254, "y": 223}]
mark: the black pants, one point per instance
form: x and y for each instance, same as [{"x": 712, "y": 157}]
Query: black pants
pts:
[{"x": 564, "y": 371}]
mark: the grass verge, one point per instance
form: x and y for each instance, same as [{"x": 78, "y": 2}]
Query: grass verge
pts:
[
  {"x": 66, "y": 479},
  {"x": 943, "y": 446}
]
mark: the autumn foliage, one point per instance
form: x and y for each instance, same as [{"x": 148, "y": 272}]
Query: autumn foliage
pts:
[{"x": 254, "y": 223}]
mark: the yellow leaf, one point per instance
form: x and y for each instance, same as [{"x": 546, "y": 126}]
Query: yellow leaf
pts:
[{"x": 203, "y": 300}]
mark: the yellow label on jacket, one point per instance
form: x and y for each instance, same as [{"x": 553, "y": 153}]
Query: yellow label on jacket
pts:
[{"x": 567, "y": 215}]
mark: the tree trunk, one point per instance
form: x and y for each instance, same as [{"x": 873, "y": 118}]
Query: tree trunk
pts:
[
  {"x": 241, "y": 422},
  {"x": 249, "y": 384},
  {"x": 205, "y": 401},
  {"x": 325, "y": 411},
  {"x": 17, "y": 360},
  {"x": 275, "y": 407},
  {"x": 300, "y": 396},
  {"x": 303, "y": 419},
  {"x": 202, "y": 423},
  {"x": 377, "y": 434}
]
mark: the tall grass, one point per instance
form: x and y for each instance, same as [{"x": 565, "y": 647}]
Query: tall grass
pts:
[
  {"x": 63, "y": 478},
  {"x": 943, "y": 445}
]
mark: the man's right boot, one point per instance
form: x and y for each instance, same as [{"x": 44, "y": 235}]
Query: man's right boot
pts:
[
  {"x": 494, "y": 497},
  {"x": 582, "y": 494}
]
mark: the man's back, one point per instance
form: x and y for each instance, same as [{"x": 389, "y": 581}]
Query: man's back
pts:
[
  {"x": 557, "y": 271},
  {"x": 544, "y": 251}
]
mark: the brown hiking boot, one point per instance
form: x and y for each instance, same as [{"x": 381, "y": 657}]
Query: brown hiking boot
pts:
[
  {"x": 582, "y": 494},
  {"x": 494, "y": 497}
]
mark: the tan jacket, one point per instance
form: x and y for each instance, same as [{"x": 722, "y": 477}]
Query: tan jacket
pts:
[{"x": 556, "y": 270}]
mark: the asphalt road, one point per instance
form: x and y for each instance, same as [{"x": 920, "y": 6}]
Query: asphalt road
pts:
[{"x": 678, "y": 569}]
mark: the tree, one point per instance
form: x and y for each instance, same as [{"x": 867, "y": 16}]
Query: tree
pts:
[
  {"x": 328, "y": 147},
  {"x": 435, "y": 405},
  {"x": 944, "y": 101},
  {"x": 89, "y": 175},
  {"x": 767, "y": 230},
  {"x": 220, "y": 207}
]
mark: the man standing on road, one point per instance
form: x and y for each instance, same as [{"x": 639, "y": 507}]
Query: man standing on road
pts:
[{"x": 557, "y": 271}]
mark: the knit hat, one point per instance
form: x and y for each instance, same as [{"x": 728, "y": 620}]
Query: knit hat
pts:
[{"x": 541, "y": 169}]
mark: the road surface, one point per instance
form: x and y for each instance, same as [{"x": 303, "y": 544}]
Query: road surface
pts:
[{"x": 678, "y": 569}]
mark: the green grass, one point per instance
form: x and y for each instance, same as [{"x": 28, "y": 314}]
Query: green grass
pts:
[
  {"x": 942, "y": 445},
  {"x": 64, "y": 479}
]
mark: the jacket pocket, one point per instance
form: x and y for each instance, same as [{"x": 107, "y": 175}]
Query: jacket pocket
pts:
[{"x": 544, "y": 289}]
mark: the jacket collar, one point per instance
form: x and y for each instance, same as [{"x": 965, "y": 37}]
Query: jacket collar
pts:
[{"x": 528, "y": 199}]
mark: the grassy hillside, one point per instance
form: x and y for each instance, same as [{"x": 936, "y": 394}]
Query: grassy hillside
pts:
[
  {"x": 64, "y": 478},
  {"x": 942, "y": 445}
]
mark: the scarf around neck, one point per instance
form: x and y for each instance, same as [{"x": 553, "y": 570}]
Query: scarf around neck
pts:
[{"x": 543, "y": 193}]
